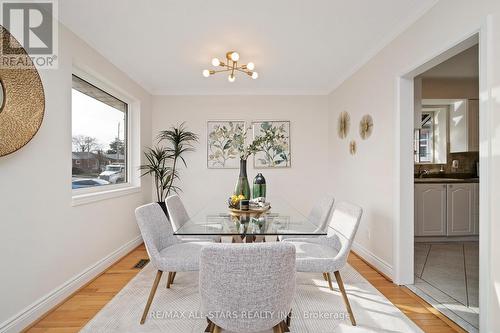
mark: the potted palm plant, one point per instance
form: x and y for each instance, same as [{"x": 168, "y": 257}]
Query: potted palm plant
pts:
[{"x": 163, "y": 160}]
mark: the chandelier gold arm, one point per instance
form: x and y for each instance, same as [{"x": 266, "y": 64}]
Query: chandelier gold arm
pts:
[
  {"x": 223, "y": 70},
  {"x": 240, "y": 69},
  {"x": 229, "y": 69}
]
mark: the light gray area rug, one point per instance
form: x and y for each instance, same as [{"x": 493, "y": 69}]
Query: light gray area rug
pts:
[{"x": 315, "y": 308}]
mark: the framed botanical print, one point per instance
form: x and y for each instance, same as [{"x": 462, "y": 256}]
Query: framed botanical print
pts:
[
  {"x": 276, "y": 148},
  {"x": 222, "y": 147}
]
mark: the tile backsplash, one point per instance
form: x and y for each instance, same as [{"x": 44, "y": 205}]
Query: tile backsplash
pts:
[{"x": 466, "y": 164}]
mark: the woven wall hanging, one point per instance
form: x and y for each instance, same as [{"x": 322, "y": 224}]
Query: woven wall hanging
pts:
[{"x": 22, "y": 98}]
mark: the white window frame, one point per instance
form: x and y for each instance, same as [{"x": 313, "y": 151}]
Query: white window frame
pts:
[{"x": 133, "y": 185}]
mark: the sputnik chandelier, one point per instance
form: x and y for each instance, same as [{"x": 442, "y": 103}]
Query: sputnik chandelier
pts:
[{"x": 232, "y": 67}]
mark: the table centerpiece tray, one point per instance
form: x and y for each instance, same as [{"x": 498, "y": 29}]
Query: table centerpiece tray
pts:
[{"x": 250, "y": 211}]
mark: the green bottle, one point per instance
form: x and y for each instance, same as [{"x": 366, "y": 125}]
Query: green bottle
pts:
[
  {"x": 242, "y": 186},
  {"x": 259, "y": 188}
]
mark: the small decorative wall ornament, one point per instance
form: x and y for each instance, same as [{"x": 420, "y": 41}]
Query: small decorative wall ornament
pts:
[
  {"x": 366, "y": 126},
  {"x": 344, "y": 123},
  {"x": 352, "y": 147},
  {"x": 22, "y": 103}
]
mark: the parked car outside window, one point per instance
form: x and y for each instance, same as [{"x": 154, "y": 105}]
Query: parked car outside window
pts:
[{"x": 114, "y": 173}]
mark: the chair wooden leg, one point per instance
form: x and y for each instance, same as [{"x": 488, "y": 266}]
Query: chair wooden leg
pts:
[
  {"x": 289, "y": 318},
  {"x": 278, "y": 328},
  {"x": 169, "y": 279},
  {"x": 325, "y": 277},
  {"x": 217, "y": 329},
  {"x": 344, "y": 296},
  {"x": 284, "y": 327},
  {"x": 210, "y": 327},
  {"x": 151, "y": 296},
  {"x": 329, "y": 279}
]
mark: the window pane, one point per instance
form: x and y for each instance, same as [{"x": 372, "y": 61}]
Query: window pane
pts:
[
  {"x": 426, "y": 146},
  {"x": 99, "y": 136}
]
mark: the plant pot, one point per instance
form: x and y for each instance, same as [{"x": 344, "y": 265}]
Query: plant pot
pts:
[{"x": 163, "y": 206}]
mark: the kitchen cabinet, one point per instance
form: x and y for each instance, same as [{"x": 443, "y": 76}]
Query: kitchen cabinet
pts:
[
  {"x": 464, "y": 126},
  {"x": 446, "y": 209},
  {"x": 460, "y": 209},
  {"x": 430, "y": 210}
]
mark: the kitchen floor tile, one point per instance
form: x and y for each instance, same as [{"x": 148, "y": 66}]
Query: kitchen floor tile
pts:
[
  {"x": 445, "y": 270},
  {"x": 421, "y": 252},
  {"x": 448, "y": 273},
  {"x": 472, "y": 273}
]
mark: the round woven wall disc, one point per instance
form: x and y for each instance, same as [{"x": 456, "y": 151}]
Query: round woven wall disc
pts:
[
  {"x": 343, "y": 124},
  {"x": 23, "y": 103}
]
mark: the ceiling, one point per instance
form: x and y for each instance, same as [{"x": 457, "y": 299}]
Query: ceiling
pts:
[
  {"x": 463, "y": 65},
  {"x": 298, "y": 46}
]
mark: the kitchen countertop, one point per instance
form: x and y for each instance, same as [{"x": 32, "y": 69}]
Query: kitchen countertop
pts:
[{"x": 445, "y": 180}]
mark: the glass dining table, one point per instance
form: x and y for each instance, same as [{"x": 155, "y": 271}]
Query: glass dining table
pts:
[{"x": 217, "y": 219}]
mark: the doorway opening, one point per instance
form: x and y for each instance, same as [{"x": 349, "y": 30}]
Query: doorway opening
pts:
[{"x": 439, "y": 188}]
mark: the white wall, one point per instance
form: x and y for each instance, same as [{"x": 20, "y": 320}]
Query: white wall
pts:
[
  {"x": 300, "y": 185},
  {"x": 365, "y": 178},
  {"x": 45, "y": 241},
  {"x": 370, "y": 177}
]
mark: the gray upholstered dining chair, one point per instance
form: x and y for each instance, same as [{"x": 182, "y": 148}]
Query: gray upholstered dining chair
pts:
[
  {"x": 244, "y": 279},
  {"x": 329, "y": 253},
  {"x": 166, "y": 252},
  {"x": 178, "y": 217},
  {"x": 319, "y": 215}
]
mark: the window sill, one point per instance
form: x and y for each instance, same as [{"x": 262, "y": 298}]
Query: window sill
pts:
[{"x": 85, "y": 198}]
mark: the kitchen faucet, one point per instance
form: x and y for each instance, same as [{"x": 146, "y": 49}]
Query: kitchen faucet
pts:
[{"x": 423, "y": 172}]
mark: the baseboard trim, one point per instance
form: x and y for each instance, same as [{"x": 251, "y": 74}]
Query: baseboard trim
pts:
[
  {"x": 373, "y": 260},
  {"x": 42, "y": 306}
]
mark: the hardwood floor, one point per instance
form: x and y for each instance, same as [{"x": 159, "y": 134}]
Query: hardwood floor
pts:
[
  {"x": 423, "y": 314},
  {"x": 77, "y": 310}
]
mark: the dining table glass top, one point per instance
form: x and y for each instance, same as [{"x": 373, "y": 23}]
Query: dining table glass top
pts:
[{"x": 217, "y": 219}]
